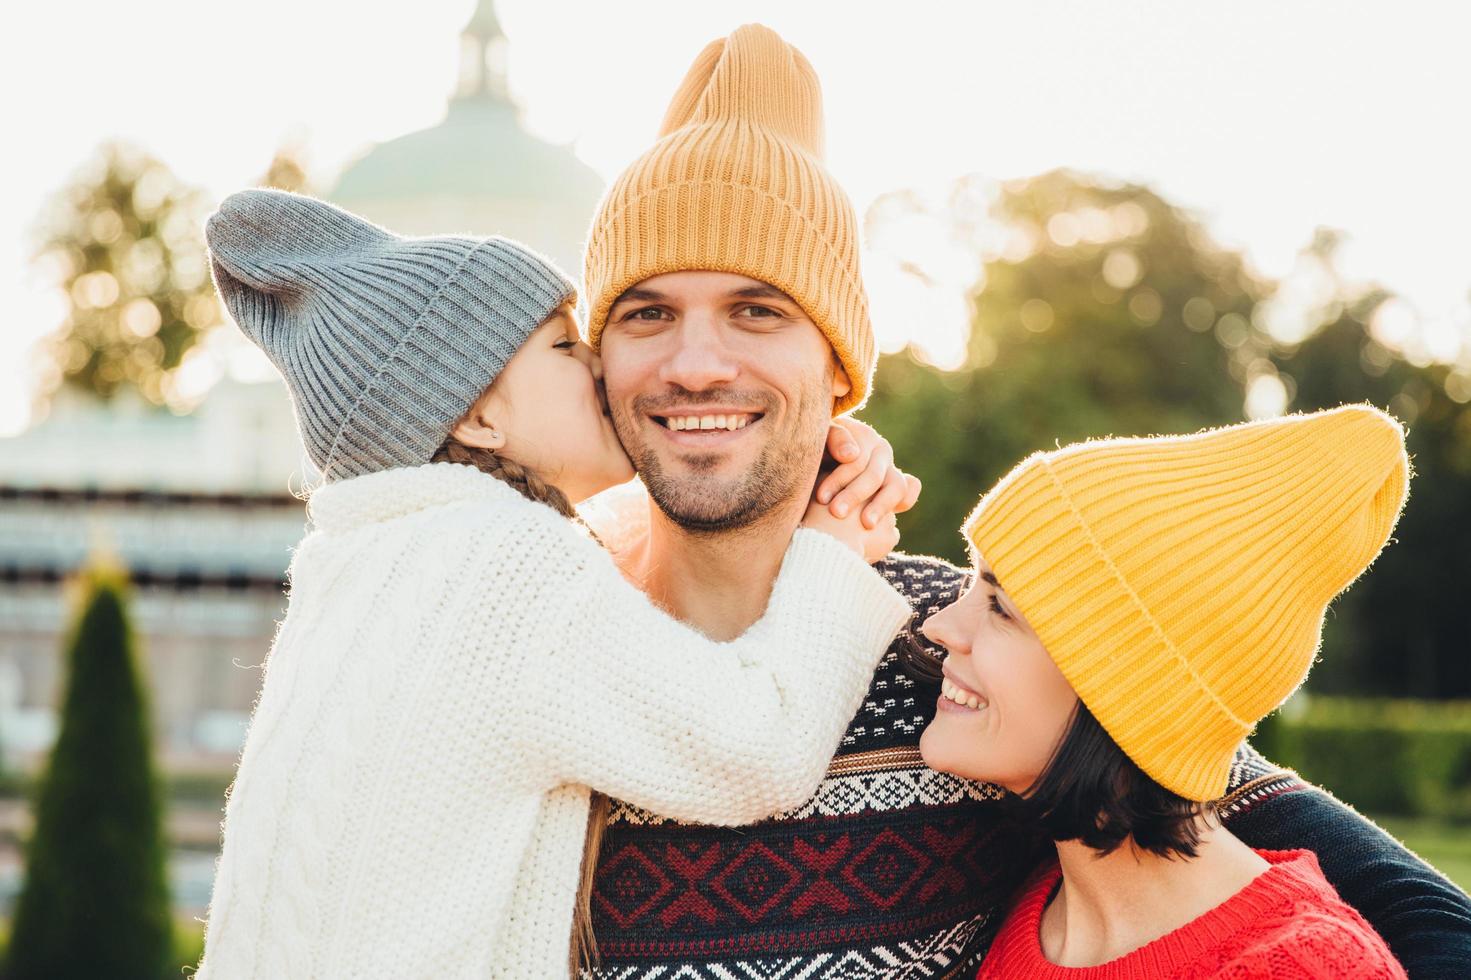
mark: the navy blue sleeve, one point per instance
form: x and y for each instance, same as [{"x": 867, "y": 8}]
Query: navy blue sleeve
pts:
[{"x": 1424, "y": 918}]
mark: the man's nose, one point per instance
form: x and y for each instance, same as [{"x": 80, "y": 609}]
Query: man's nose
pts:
[{"x": 700, "y": 360}]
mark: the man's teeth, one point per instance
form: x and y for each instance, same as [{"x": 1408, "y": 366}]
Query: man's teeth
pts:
[
  {"x": 683, "y": 422},
  {"x": 959, "y": 695}
]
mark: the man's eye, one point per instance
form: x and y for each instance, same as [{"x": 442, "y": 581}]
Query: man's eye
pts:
[
  {"x": 645, "y": 313},
  {"x": 996, "y": 607},
  {"x": 762, "y": 311}
]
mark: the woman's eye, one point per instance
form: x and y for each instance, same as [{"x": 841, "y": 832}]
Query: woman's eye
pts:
[{"x": 565, "y": 344}]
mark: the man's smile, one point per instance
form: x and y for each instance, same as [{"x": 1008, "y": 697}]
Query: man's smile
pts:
[
  {"x": 681, "y": 423},
  {"x": 706, "y": 426}
]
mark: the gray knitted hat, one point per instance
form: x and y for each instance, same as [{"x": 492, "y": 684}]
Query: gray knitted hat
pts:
[{"x": 384, "y": 341}]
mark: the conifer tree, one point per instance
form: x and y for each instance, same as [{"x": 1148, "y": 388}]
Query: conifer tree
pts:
[{"x": 95, "y": 901}]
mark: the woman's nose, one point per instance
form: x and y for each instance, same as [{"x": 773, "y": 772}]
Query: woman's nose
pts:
[{"x": 937, "y": 629}]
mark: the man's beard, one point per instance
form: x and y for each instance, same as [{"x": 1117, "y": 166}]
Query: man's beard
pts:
[{"x": 700, "y": 503}]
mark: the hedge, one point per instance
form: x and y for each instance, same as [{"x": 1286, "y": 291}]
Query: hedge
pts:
[{"x": 1401, "y": 757}]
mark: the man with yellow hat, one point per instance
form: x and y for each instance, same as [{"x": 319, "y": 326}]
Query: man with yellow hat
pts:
[{"x": 725, "y": 297}]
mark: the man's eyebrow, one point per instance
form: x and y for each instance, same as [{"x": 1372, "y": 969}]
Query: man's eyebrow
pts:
[
  {"x": 761, "y": 291},
  {"x": 990, "y": 580},
  {"x": 641, "y": 294}
]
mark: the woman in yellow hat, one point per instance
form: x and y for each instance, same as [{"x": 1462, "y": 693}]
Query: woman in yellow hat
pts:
[{"x": 1138, "y": 605}]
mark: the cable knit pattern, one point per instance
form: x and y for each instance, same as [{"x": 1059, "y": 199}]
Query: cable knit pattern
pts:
[
  {"x": 457, "y": 666},
  {"x": 1287, "y": 924}
]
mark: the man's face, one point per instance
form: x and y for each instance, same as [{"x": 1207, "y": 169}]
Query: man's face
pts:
[{"x": 721, "y": 389}]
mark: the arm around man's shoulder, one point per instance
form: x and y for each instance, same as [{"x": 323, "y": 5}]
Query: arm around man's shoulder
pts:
[{"x": 1425, "y": 920}]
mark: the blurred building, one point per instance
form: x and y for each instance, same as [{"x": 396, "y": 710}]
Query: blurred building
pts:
[
  {"x": 199, "y": 507},
  {"x": 479, "y": 170}
]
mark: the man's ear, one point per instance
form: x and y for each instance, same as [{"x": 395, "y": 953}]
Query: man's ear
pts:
[
  {"x": 841, "y": 384},
  {"x": 479, "y": 430}
]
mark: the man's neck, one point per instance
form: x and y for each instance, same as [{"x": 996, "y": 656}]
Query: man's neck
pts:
[
  {"x": 1109, "y": 906},
  {"x": 717, "y": 582}
]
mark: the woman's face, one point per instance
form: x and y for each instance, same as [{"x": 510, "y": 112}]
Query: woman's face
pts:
[
  {"x": 549, "y": 414},
  {"x": 1004, "y": 704}
]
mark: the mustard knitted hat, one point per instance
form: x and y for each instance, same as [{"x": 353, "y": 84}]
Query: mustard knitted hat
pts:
[
  {"x": 736, "y": 184},
  {"x": 1180, "y": 582}
]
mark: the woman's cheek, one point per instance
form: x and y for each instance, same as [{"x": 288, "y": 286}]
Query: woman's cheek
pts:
[
  {"x": 955, "y": 749},
  {"x": 941, "y": 750}
]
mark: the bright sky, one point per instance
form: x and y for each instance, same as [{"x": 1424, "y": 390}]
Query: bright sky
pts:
[{"x": 1268, "y": 117}]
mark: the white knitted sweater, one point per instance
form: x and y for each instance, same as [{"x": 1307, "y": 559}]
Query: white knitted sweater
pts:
[{"x": 457, "y": 666}]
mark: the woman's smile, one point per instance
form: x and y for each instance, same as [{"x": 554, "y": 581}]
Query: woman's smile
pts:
[{"x": 955, "y": 696}]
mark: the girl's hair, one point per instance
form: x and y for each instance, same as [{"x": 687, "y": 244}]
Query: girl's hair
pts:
[
  {"x": 526, "y": 481},
  {"x": 1092, "y": 792},
  {"x": 584, "y": 947}
]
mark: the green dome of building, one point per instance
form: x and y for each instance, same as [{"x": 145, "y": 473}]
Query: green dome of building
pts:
[
  {"x": 478, "y": 171},
  {"x": 479, "y": 149}
]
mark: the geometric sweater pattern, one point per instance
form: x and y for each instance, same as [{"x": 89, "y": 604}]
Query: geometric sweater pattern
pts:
[
  {"x": 891, "y": 869},
  {"x": 457, "y": 666}
]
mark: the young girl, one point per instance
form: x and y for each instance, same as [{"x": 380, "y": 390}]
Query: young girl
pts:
[
  {"x": 461, "y": 665},
  {"x": 1138, "y": 605}
]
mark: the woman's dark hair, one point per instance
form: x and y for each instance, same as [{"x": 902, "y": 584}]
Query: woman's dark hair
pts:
[
  {"x": 1092, "y": 792},
  {"x": 919, "y": 660}
]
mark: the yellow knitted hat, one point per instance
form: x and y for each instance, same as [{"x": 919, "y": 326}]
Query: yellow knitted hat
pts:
[
  {"x": 1180, "y": 582},
  {"x": 736, "y": 184}
]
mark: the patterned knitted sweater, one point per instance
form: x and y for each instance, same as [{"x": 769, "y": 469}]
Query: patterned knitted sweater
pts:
[
  {"x": 1287, "y": 924},
  {"x": 456, "y": 667},
  {"x": 894, "y": 870}
]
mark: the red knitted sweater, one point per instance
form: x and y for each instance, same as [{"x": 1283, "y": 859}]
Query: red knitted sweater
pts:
[{"x": 1288, "y": 923}]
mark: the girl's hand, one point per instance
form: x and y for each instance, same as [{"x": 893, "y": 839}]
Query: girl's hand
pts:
[
  {"x": 865, "y": 475},
  {"x": 872, "y": 544},
  {"x": 857, "y": 501}
]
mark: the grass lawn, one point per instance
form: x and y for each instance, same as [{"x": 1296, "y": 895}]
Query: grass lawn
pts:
[{"x": 1447, "y": 846}]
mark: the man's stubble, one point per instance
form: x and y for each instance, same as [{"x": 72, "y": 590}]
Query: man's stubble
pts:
[{"x": 784, "y": 468}]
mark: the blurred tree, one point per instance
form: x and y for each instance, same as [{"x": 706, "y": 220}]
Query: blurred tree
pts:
[
  {"x": 1107, "y": 311},
  {"x": 287, "y": 171},
  {"x": 95, "y": 901},
  {"x": 123, "y": 242},
  {"x": 1405, "y": 630},
  {"x": 1103, "y": 310}
]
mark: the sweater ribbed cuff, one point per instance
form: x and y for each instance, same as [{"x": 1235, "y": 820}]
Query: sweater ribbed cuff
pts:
[{"x": 821, "y": 574}]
